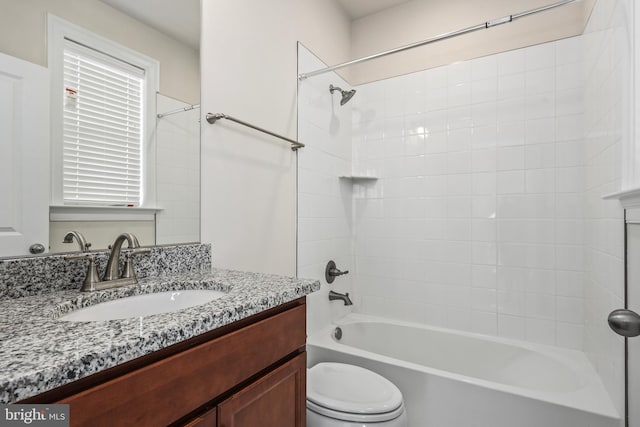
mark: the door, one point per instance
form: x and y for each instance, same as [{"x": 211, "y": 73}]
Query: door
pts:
[
  {"x": 626, "y": 320},
  {"x": 633, "y": 303},
  {"x": 24, "y": 156},
  {"x": 276, "y": 400}
]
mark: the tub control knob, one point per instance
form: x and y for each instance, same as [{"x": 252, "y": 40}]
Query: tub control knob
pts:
[
  {"x": 331, "y": 272},
  {"x": 625, "y": 322}
]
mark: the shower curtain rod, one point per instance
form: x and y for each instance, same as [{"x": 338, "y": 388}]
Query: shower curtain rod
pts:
[
  {"x": 482, "y": 26},
  {"x": 179, "y": 110}
]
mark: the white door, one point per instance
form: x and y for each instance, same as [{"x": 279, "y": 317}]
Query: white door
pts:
[
  {"x": 24, "y": 156},
  {"x": 633, "y": 303},
  {"x": 626, "y": 320}
]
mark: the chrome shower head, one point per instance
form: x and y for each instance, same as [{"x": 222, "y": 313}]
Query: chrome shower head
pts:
[{"x": 346, "y": 94}]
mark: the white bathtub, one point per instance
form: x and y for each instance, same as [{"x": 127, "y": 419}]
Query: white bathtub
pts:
[{"x": 455, "y": 379}]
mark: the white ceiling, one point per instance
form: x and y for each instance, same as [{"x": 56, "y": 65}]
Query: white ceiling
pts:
[
  {"x": 359, "y": 8},
  {"x": 178, "y": 19}
]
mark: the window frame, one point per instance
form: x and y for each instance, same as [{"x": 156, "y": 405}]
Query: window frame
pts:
[{"x": 58, "y": 30}]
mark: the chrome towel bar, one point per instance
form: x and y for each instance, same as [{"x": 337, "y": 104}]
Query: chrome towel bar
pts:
[{"x": 212, "y": 118}]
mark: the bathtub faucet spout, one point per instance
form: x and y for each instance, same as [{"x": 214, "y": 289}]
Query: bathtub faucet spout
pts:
[{"x": 342, "y": 297}]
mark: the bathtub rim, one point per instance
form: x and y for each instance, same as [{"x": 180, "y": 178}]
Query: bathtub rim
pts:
[{"x": 591, "y": 398}]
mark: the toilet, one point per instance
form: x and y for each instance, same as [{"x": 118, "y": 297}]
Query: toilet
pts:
[{"x": 341, "y": 395}]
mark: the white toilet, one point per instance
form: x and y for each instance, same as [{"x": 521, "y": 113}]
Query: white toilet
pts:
[{"x": 341, "y": 395}]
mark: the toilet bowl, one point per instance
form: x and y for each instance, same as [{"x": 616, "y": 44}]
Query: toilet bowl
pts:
[{"x": 341, "y": 395}]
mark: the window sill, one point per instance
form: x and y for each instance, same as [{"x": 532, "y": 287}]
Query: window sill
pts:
[{"x": 101, "y": 213}]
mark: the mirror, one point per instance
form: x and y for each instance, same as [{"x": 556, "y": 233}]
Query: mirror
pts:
[{"x": 169, "y": 32}]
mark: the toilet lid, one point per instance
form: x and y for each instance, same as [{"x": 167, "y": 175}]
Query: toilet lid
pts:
[{"x": 351, "y": 389}]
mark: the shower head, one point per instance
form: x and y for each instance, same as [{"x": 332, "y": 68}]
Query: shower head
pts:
[{"x": 346, "y": 94}]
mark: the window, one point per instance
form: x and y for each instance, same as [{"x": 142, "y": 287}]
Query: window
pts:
[
  {"x": 102, "y": 129},
  {"x": 103, "y": 114}
]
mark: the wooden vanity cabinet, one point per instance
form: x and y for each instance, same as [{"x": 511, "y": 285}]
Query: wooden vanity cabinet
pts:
[
  {"x": 275, "y": 400},
  {"x": 248, "y": 374}
]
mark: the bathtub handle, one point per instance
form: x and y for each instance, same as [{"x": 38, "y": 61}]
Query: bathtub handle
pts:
[{"x": 331, "y": 272}]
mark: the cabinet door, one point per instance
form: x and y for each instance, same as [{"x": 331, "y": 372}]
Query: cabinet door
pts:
[
  {"x": 276, "y": 400},
  {"x": 208, "y": 419}
]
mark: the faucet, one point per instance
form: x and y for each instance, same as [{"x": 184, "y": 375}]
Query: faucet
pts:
[
  {"x": 112, "y": 277},
  {"x": 82, "y": 242},
  {"x": 112, "y": 271},
  {"x": 342, "y": 297}
]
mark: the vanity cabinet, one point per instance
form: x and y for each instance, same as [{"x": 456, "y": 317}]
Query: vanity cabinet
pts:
[
  {"x": 249, "y": 373},
  {"x": 276, "y": 400}
]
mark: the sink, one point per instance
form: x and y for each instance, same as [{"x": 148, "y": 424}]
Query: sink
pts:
[{"x": 143, "y": 305}]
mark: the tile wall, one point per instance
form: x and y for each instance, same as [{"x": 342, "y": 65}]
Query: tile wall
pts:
[
  {"x": 475, "y": 222},
  {"x": 324, "y": 200},
  {"x": 484, "y": 212},
  {"x": 607, "y": 52},
  {"x": 178, "y": 173}
]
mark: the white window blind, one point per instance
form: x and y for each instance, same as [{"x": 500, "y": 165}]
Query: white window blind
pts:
[{"x": 102, "y": 130}]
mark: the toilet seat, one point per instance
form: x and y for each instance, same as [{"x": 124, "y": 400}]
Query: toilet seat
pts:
[
  {"x": 351, "y": 393},
  {"x": 355, "y": 418}
]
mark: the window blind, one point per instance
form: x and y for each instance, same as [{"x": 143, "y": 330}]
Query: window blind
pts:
[{"x": 102, "y": 129}]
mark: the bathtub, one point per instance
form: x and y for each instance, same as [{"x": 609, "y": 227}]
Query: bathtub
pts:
[{"x": 456, "y": 379}]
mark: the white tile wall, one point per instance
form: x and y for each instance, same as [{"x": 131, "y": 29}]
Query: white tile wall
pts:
[
  {"x": 469, "y": 232},
  {"x": 607, "y": 84},
  {"x": 178, "y": 173},
  {"x": 324, "y": 200},
  {"x": 487, "y": 213}
]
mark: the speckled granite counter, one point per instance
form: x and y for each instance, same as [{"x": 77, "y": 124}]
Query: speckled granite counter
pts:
[{"x": 38, "y": 352}]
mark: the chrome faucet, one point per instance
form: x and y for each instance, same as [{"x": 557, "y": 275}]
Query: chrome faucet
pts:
[
  {"x": 342, "y": 297},
  {"x": 82, "y": 242},
  {"x": 112, "y": 272},
  {"x": 112, "y": 277}
]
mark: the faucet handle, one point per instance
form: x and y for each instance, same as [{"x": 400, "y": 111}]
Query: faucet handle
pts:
[
  {"x": 137, "y": 251},
  {"x": 80, "y": 255},
  {"x": 129, "y": 271},
  {"x": 331, "y": 272},
  {"x": 91, "y": 278}
]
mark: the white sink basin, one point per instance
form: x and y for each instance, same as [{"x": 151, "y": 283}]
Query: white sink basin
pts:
[{"x": 143, "y": 305}]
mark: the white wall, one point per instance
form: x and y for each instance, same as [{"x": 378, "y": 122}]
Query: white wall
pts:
[
  {"x": 177, "y": 173},
  {"x": 421, "y": 20},
  {"x": 475, "y": 222},
  {"x": 325, "y": 214},
  {"x": 249, "y": 61},
  {"x": 607, "y": 53},
  {"x": 100, "y": 234},
  {"x": 23, "y": 33}
]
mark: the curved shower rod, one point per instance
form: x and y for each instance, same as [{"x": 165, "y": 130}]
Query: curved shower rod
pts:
[{"x": 444, "y": 36}]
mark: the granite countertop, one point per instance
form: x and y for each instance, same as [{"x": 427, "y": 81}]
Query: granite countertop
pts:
[{"x": 40, "y": 352}]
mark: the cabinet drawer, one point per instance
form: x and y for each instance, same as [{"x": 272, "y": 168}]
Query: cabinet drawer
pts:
[{"x": 164, "y": 391}]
